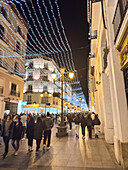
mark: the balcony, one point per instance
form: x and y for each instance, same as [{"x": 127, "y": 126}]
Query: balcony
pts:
[
  {"x": 1, "y": 90},
  {"x": 2, "y": 37},
  {"x": 29, "y": 102},
  {"x": 119, "y": 15},
  {"x": 14, "y": 93}
]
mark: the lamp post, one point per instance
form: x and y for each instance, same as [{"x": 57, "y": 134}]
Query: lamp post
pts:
[{"x": 62, "y": 77}]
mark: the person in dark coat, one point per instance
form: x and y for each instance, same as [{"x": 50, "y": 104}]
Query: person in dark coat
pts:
[
  {"x": 30, "y": 132},
  {"x": 70, "y": 120},
  {"x": 38, "y": 133},
  {"x": 96, "y": 123},
  {"x": 47, "y": 126},
  {"x": 17, "y": 134},
  {"x": 6, "y": 132},
  {"x": 89, "y": 125},
  {"x": 83, "y": 125},
  {"x": 77, "y": 122}
]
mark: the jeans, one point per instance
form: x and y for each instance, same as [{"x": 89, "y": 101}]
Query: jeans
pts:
[
  {"x": 70, "y": 124},
  {"x": 6, "y": 143},
  {"x": 30, "y": 142},
  {"x": 47, "y": 134},
  {"x": 77, "y": 129},
  {"x": 38, "y": 141},
  {"x": 23, "y": 132},
  {"x": 16, "y": 147},
  {"x": 90, "y": 131},
  {"x": 83, "y": 130}
]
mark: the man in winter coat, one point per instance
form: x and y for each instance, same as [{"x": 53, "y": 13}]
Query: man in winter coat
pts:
[
  {"x": 38, "y": 133},
  {"x": 47, "y": 125},
  {"x": 70, "y": 121},
  {"x": 83, "y": 125},
  {"x": 89, "y": 125},
  {"x": 30, "y": 132},
  {"x": 96, "y": 123}
]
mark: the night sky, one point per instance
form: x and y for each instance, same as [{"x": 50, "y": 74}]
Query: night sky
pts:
[
  {"x": 74, "y": 18},
  {"x": 74, "y": 15}
]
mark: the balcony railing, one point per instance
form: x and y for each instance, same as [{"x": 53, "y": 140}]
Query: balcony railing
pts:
[
  {"x": 29, "y": 102},
  {"x": 14, "y": 93},
  {"x": 119, "y": 15},
  {"x": 1, "y": 90}
]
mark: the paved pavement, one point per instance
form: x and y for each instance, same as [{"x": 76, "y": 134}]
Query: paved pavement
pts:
[{"x": 66, "y": 153}]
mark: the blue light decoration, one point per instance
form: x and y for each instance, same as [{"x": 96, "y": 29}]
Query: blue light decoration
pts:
[{"x": 60, "y": 52}]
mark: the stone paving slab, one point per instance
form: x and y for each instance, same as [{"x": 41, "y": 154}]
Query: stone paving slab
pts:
[{"x": 65, "y": 153}]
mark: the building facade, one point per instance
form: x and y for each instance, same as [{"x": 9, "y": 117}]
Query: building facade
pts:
[
  {"x": 109, "y": 71},
  {"x": 40, "y": 90},
  {"x": 13, "y": 43}
]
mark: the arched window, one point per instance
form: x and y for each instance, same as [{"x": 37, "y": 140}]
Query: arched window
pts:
[
  {"x": 4, "y": 12},
  {"x": 16, "y": 67}
]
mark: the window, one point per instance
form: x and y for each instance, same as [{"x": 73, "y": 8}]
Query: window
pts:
[
  {"x": 1, "y": 54},
  {"x": 4, "y": 12},
  {"x": 13, "y": 89},
  {"x": 53, "y": 100},
  {"x": 30, "y": 77},
  {"x": 19, "y": 30},
  {"x": 45, "y": 88},
  {"x": 45, "y": 78},
  {"x": 31, "y": 65},
  {"x": 16, "y": 67},
  {"x": 29, "y": 87},
  {"x": 46, "y": 65},
  {"x": 29, "y": 100},
  {"x": 44, "y": 100},
  {"x": 2, "y": 36},
  {"x": 18, "y": 47}
]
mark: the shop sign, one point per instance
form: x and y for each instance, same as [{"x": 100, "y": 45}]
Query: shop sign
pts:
[
  {"x": 14, "y": 101},
  {"x": 24, "y": 103},
  {"x": 6, "y": 99}
]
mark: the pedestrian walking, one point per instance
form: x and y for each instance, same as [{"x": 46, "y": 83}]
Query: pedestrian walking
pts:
[
  {"x": 89, "y": 125},
  {"x": 47, "y": 125},
  {"x": 96, "y": 124},
  {"x": 70, "y": 121},
  {"x": 83, "y": 125},
  {"x": 17, "y": 134},
  {"x": 6, "y": 133},
  {"x": 30, "y": 132},
  {"x": 38, "y": 133},
  {"x": 77, "y": 122},
  {"x": 23, "y": 120}
]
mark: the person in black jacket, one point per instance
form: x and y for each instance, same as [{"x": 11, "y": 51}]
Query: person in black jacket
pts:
[
  {"x": 83, "y": 125},
  {"x": 70, "y": 121},
  {"x": 89, "y": 125},
  {"x": 17, "y": 134},
  {"x": 6, "y": 132},
  {"x": 47, "y": 125},
  {"x": 30, "y": 132},
  {"x": 77, "y": 122},
  {"x": 38, "y": 133},
  {"x": 96, "y": 123}
]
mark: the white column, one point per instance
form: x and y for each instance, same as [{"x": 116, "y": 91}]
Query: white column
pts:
[{"x": 2, "y": 108}]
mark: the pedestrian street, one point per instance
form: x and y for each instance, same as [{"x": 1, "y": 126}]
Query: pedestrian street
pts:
[{"x": 65, "y": 153}]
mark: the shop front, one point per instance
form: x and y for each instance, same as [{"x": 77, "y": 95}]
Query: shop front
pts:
[{"x": 11, "y": 106}]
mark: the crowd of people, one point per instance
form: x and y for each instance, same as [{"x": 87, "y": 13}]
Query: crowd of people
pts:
[{"x": 37, "y": 126}]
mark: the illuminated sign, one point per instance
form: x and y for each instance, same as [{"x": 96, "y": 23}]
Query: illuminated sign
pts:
[{"x": 24, "y": 103}]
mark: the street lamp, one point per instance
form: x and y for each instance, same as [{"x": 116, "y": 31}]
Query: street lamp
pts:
[{"x": 62, "y": 77}]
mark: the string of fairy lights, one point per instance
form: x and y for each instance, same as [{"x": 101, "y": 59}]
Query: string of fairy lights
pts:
[{"x": 45, "y": 36}]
